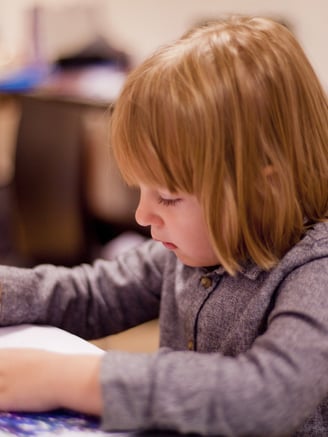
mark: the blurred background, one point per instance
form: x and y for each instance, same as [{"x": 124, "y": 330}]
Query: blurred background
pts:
[{"x": 62, "y": 64}]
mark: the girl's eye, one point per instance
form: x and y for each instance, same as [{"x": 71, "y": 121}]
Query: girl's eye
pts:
[{"x": 168, "y": 202}]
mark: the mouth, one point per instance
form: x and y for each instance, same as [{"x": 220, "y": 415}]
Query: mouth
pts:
[{"x": 169, "y": 246}]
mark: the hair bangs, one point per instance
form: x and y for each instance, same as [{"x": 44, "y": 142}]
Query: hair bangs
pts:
[
  {"x": 134, "y": 156},
  {"x": 152, "y": 136},
  {"x": 132, "y": 143}
]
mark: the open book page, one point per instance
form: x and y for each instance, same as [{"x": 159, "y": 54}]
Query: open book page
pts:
[
  {"x": 46, "y": 338},
  {"x": 61, "y": 422}
]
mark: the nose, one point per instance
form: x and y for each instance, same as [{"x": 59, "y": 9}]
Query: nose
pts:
[{"x": 145, "y": 214}]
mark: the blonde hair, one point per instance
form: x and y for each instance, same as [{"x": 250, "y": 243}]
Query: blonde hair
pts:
[{"x": 233, "y": 113}]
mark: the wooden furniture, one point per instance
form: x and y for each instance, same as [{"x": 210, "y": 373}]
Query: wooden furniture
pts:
[{"x": 69, "y": 197}]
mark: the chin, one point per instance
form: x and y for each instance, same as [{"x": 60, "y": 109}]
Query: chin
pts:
[{"x": 195, "y": 263}]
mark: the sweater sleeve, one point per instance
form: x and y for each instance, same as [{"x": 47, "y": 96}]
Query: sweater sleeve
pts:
[
  {"x": 269, "y": 390},
  {"x": 89, "y": 301}
]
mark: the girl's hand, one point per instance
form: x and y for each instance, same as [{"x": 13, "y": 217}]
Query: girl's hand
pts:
[{"x": 35, "y": 380}]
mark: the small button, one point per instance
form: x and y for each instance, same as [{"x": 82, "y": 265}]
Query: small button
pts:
[
  {"x": 190, "y": 345},
  {"x": 206, "y": 281}
]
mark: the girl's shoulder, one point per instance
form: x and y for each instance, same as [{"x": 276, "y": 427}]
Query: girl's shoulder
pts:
[{"x": 311, "y": 249}]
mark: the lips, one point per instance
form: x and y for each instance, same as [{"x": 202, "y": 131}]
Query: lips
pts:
[{"x": 168, "y": 245}]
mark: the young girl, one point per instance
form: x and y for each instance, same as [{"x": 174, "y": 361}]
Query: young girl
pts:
[{"x": 225, "y": 132}]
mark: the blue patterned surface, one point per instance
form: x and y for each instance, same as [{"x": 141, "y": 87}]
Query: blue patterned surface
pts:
[{"x": 47, "y": 424}]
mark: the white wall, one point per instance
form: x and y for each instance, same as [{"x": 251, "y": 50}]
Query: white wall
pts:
[
  {"x": 139, "y": 26},
  {"x": 142, "y": 25}
]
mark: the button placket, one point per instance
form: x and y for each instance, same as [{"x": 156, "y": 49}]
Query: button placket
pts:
[{"x": 206, "y": 283}]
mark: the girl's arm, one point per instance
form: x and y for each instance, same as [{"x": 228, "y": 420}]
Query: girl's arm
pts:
[
  {"x": 34, "y": 380},
  {"x": 90, "y": 301}
]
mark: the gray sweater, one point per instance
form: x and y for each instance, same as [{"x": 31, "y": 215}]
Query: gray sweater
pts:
[{"x": 240, "y": 356}]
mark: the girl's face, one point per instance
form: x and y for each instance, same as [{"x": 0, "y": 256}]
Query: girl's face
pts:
[{"x": 177, "y": 221}]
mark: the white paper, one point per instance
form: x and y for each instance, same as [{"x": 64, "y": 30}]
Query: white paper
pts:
[{"x": 47, "y": 338}]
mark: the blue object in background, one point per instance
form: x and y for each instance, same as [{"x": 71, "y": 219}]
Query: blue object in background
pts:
[{"x": 24, "y": 79}]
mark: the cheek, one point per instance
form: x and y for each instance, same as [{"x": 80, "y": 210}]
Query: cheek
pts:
[
  {"x": 201, "y": 238},
  {"x": 196, "y": 234},
  {"x": 203, "y": 243}
]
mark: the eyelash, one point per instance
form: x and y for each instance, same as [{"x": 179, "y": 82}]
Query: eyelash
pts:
[{"x": 168, "y": 202}]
